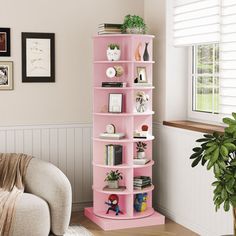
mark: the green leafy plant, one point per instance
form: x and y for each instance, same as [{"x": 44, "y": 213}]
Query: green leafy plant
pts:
[
  {"x": 218, "y": 151},
  {"x": 112, "y": 46},
  {"x": 133, "y": 21},
  {"x": 140, "y": 146},
  {"x": 113, "y": 175}
]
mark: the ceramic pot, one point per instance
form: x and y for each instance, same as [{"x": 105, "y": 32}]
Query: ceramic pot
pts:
[
  {"x": 140, "y": 155},
  {"x": 113, "y": 184},
  {"x": 135, "y": 31},
  {"x": 113, "y": 54}
]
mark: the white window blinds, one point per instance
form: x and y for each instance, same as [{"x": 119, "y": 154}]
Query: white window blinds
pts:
[
  {"x": 196, "y": 22},
  {"x": 228, "y": 57}
]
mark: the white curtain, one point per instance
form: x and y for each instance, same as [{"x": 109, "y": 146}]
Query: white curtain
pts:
[{"x": 228, "y": 57}]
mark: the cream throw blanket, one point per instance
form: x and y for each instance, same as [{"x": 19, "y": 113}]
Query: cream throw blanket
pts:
[{"x": 12, "y": 172}]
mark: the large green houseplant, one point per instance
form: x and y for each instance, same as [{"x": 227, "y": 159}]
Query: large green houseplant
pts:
[{"x": 218, "y": 152}]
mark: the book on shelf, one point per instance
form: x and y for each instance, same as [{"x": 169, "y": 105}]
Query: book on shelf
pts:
[
  {"x": 112, "y": 136},
  {"x": 142, "y": 161},
  {"x": 120, "y": 189},
  {"x": 113, "y": 84},
  {"x": 141, "y": 179},
  {"x": 142, "y": 85},
  {"x": 113, "y": 155},
  {"x": 110, "y": 25},
  {"x": 107, "y": 28},
  {"x": 142, "y": 187}
]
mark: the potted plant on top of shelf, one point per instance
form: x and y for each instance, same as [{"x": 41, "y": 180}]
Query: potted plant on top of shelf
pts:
[
  {"x": 133, "y": 25},
  {"x": 141, "y": 146},
  {"x": 113, "y": 178},
  {"x": 113, "y": 52},
  {"x": 219, "y": 152}
]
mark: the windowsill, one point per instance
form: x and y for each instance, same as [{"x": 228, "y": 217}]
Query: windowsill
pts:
[{"x": 195, "y": 126}]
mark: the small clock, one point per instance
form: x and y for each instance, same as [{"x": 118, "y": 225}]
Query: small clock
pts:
[
  {"x": 111, "y": 72},
  {"x": 110, "y": 129}
]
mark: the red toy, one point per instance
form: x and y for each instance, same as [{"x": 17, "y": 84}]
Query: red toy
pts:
[{"x": 113, "y": 201}]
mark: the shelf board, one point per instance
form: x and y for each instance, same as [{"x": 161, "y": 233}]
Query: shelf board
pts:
[
  {"x": 124, "y": 35},
  {"x": 125, "y": 192},
  {"x": 124, "y": 88},
  {"x": 150, "y": 163},
  {"x": 145, "y": 190},
  {"x": 123, "y": 61},
  {"x": 122, "y": 166},
  {"x": 125, "y": 140},
  {"x": 112, "y": 215},
  {"x": 124, "y": 114}
]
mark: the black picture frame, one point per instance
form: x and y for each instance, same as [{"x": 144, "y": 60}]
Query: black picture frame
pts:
[
  {"x": 38, "y": 57},
  {"x": 5, "y": 42},
  {"x": 115, "y": 104}
]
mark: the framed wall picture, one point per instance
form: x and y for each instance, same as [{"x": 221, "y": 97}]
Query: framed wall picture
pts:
[
  {"x": 6, "y": 75},
  {"x": 38, "y": 57},
  {"x": 142, "y": 74},
  {"x": 5, "y": 42},
  {"x": 115, "y": 102}
]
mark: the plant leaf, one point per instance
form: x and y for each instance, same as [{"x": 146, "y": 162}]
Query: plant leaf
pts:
[
  {"x": 226, "y": 205},
  {"x": 196, "y": 161}
]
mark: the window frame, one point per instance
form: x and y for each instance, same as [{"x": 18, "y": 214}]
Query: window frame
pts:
[{"x": 205, "y": 117}]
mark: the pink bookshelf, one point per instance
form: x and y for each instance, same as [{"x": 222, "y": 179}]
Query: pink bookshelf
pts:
[{"x": 127, "y": 122}]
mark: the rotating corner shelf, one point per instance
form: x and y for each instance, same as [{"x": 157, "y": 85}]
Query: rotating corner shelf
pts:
[{"x": 126, "y": 122}]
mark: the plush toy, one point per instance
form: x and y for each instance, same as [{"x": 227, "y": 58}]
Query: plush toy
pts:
[
  {"x": 113, "y": 201},
  {"x": 140, "y": 202}
]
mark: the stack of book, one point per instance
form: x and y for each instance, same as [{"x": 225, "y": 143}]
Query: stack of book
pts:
[
  {"x": 106, "y": 28},
  {"x": 141, "y": 182},
  {"x": 113, "y": 84},
  {"x": 113, "y": 155},
  {"x": 140, "y": 161},
  {"x": 112, "y": 136}
]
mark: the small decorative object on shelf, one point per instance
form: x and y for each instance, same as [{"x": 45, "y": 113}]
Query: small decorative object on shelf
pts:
[
  {"x": 142, "y": 161},
  {"x": 115, "y": 102},
  {"x": 112, "y": 136},
  {"x": 141, "y": 146},
  {"x": 110, "y": 129},
  {"x": 141, "y": 182},
  {"x": 140, "y": 202},
  {"x": 133, "y": 25},
  {"x": 113, "y": 178},
  {"x": 137, "y": 52},
  {"x": 113, "y": 203},
  {"x": 141, "y": 101},
  {"x": 146, "y": 54},
  {"x": 113, "y": 154},
  {"x": 140, "y": 134},
  {"x": 113, "y": 52},
  {"x": 115, "y": 71},
  {"x": 142, "y": 75}
]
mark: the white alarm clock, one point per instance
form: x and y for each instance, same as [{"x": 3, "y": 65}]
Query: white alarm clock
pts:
[
  {"x": 110, "y": 129},
  {"x": 111, "y": 72}
]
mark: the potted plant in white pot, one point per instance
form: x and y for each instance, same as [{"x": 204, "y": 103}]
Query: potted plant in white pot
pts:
[
  {"x": 133, "y": 25},
  {"x": 113, "y": 52},
  {"x": 141, "y": 146},
  {"x": 219, "y": 152},
  {"x": 113, "y": 178}
]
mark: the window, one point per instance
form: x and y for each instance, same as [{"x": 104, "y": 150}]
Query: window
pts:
[{"x": 204, "y": 81}]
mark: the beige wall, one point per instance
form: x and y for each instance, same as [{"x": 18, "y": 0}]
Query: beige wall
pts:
[{"x": 74, "y": 22}]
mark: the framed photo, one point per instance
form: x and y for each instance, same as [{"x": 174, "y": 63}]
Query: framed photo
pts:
[
  {"x": 115, "y": 102},
  {"x": 5, "y": 39},
  {"x": 142, "y": 74},
  {"x": 38, "y": 57},
  {"x": 6, "y": 75}
]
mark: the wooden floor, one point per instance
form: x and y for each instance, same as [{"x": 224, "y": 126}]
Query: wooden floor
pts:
[{"x": 169, "y": 229}]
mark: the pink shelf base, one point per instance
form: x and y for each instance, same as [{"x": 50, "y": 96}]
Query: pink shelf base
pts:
[{"x": 111, "y": 224}]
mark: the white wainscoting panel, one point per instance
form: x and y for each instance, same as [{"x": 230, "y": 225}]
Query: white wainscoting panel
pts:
[
  {"x": 69, "y": 147},
  {"x": 183, "y": 193}
]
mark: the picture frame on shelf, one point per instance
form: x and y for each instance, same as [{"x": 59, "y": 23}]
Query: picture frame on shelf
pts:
[
  {"x": 115, "y": 102},
  {"x": 5, "y": 42},
  {"x": 142, "y": 74},
  {"x": 6, "y": 75},
  {"x": 38, "y": 57}
]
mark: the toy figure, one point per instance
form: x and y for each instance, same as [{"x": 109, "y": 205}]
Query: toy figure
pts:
[
  {"x": 140, "y": 202},
  {"x": 113, "y": 201}
]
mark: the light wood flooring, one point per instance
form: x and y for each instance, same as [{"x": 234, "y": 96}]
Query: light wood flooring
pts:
[{"x": 169, "y": 229}]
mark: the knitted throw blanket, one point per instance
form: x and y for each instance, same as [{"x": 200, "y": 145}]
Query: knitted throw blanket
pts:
[{"x": 12, "y": 172}]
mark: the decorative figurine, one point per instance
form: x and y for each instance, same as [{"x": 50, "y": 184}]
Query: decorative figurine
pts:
[
  {"x": 141, "y": 101},
  {"x": 140, "y": 202},
  {"x": 113, "y": 201},
  {"x": 137, "y": 52},
  {"x": 146, "y": 54}
]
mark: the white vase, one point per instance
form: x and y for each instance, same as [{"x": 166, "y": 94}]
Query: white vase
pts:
[
  {"x": 140, "y": 155},
  {"x": 113, "y": 184},
  {"x": 113, "y": 54}
]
